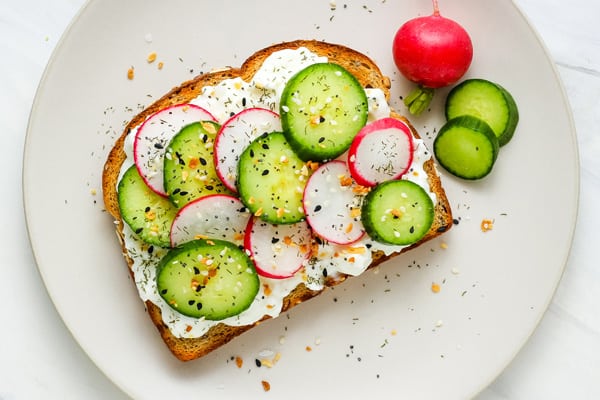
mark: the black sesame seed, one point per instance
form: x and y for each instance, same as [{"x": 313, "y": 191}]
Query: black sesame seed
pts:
[{"x": 258, "y": 363}]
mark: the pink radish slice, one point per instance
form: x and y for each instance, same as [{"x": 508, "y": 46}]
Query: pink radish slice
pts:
[
  {"x": 278, "y": 251},
  {"x": 154, "y": 135},
  {"x": 331, "y": 206},
  {"x": 235, "y": 135},
  {"x": 381, "y": 151},
  {"x": 216, "y": 216}
]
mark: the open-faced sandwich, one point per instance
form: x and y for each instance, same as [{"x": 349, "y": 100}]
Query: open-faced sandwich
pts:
[{"x": 244, "y": 192}]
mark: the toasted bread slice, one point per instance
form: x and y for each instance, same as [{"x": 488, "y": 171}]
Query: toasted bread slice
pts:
[{"x": 366, "y": 72}]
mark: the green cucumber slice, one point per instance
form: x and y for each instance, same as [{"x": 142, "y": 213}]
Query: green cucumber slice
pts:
[
  {"x": 189, "y": 168},
  {"x": 147, "y": 213},
  {"x": 466, "y": 147},
  {"x": 398, "y": 212},
  {"x": 212, "y": 279},
  {"x": 322, "y": 108},
  {"x": 271, "y": 179},
  {"x": 488, "y": 101}
]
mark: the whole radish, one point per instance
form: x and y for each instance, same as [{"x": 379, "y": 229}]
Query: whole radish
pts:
[{"x": 432, "y": 51}]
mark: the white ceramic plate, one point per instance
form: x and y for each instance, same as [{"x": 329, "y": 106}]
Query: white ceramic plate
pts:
[{"x": 383, "y": 333}]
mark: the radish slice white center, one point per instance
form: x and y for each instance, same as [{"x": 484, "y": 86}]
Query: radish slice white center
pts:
[
  {"x": 235, "y": 135},
  {"x": 215, "y": 216},
  {"x": 278, "y": 251},
  {"x": 154, "y": 135},
  {"x": 381, "y": 151},
  {"x": 332, "y": 205}
]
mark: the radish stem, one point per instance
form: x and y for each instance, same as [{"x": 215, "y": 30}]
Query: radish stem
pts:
[
  {"x": 418, "y": 100},
  {"x": 436, "y": 10}
]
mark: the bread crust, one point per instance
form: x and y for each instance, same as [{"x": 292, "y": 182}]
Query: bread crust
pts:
[{"x": 366, "y": 72}]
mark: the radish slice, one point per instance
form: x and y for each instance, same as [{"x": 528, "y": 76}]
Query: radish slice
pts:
[
  {"x": 381, "y": 151},
  {"x": 216, "y": 216},
  {"x": 278, "y": 251},
  {"x": 154, "y": 135},
  {"x": 332, "y": 203},
  {"x": 235, "y": 135}
]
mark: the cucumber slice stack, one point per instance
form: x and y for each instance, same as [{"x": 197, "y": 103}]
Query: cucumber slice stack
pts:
[{"x": 481, "y": 117}]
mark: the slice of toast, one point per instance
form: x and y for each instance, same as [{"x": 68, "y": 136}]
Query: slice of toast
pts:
[{"x": 366, "y": 72}]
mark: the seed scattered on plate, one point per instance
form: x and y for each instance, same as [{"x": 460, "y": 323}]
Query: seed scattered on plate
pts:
[{"x": 266, "y": 385}]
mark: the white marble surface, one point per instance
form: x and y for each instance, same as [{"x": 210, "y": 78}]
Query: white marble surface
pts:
[{"x": 39, "y": 358}]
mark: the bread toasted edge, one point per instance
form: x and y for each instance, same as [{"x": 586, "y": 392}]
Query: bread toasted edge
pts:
[{"x": 366, "y": 72}]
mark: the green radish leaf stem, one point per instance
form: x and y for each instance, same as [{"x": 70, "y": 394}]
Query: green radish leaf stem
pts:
[{"x": 419, "y": 99}]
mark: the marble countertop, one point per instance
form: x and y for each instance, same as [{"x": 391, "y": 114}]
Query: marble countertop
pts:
[{"x": 560, "y": 361}]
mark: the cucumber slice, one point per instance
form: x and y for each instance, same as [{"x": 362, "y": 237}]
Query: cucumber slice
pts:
[
  {"x": 466, "y": 147},
  {"x": 271, "y": 179},
  {"x": 397, "y": 212},
  {"x": 212, "y": 279},
  {"x": 488, "y": 101},
  {"x": 147, "y": 213},
  {"x": 189, "y": 168},
  {"x": 322, "y": 108}
]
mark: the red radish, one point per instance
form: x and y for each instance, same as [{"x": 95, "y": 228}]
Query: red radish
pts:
[
  {"x": 432, "y": 51},
  {"x": 154, "y": 135},
  {"x": 278, "y": 251},
  {"x": 216, "y": 216},
  {"x": 331, "y": 204},
  {"x": 382, "y": 150},
  {"x": 235, "y": 135}
]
